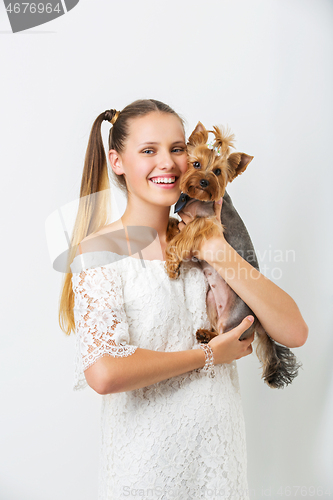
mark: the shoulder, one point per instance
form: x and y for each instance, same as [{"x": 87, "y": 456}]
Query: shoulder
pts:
[
  {"x": 98, "y": 250},
  {"x": 109, "y": 238}
]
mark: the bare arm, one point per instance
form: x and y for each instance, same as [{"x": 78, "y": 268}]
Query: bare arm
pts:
[{"x": 145, "y": 367}]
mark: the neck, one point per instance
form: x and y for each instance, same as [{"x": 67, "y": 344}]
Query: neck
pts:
[{"x": 139, "y": 213}]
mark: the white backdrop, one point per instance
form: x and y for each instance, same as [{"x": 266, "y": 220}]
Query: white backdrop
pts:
[{"x": 264, "y": 67}]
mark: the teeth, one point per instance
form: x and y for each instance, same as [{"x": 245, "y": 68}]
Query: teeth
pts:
[{"x": 164, "y": 181}]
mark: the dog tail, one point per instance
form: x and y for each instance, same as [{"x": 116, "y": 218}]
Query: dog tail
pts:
[{"x": 280, "y": 365}]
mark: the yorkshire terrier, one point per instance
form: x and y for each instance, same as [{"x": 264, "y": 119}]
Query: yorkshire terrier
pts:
[{"x": 210, "y": 168}]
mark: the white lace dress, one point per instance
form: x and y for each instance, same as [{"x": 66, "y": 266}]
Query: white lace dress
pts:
[{"x": 182, "y": 438}]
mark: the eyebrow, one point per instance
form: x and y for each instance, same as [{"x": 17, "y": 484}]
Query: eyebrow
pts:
[{"x": 154, "y": 143}]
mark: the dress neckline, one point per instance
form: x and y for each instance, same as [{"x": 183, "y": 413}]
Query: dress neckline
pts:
[
  {"x": 121, "y": 257},
  {"x": 141, "y": 260}
]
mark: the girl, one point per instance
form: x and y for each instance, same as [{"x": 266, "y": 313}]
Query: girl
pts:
[{"x": 172, "y": 419}]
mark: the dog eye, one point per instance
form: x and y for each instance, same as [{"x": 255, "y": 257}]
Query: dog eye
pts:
[
  {"x": 196, "y": 164},
  {"x": 217, "y": 171}
]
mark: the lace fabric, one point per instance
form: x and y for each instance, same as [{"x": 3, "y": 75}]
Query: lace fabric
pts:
[
  {"x": 183, "y": 437},
  {"x": 100, "y": 319}
]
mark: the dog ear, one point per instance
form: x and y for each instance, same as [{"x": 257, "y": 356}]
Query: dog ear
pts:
[
  {"x": 198, "y": 136},
  {"x": 224, "y": 139},
  {"x": 199, "y": 128},
  {"x": 238, "y": 162}
]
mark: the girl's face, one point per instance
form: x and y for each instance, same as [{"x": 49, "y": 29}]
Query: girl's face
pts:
[{"x": 155, "y": 149}]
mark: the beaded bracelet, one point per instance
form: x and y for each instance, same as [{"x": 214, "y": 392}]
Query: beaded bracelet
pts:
[{"x": 209, "y": 363}]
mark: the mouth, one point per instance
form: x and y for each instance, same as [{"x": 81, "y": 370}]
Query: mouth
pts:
[
  {"x": 202, "y": 194},
  {"x": 164, "y": 181}
]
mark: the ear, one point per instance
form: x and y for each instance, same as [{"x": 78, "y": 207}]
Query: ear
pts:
[
  {"x": 238, "y": 162},
  {"x": 198, "y": 136},
  {"x": 115, "y": 162},
  {"x": 199, "y": 128}
]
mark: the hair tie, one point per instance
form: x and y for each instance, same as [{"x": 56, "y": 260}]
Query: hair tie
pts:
[
  {"x": 111, "y": 116},
  {"x": 217, "y": 149}
]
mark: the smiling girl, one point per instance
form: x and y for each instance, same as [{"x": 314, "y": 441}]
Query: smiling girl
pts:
[{"x": 172, "y": 418}]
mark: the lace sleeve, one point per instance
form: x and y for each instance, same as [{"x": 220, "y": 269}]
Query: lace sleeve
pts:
[{"x": 100, "y": 319}]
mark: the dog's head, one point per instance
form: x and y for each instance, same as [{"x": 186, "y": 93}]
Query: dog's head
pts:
[{"x": 211, "y": 168}]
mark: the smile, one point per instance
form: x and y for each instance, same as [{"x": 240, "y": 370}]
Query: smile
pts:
[{"x": 163, "y": 180}]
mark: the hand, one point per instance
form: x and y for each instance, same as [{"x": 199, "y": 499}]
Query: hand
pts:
[
  {"x": 188, "y": 217},
  {"x": 226, "y": 347}
]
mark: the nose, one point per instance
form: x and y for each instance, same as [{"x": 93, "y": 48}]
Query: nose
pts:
[
  {"x": 166, "y": 160},
  {"x": 204, "y": 183}
]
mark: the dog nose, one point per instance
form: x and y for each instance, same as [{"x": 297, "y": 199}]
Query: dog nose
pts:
[{"x": 204, "y": 183}]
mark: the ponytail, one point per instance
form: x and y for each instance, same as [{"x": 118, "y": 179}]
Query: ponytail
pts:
[{"x": 93, "y": 212}]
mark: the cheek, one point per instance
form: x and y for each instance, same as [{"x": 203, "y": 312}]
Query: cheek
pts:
[
  {"x": 184, "y": 166},
  {"x": 138, "y": 171}
]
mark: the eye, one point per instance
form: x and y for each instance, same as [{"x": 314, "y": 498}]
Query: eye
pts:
[
  {"x": 217, "y": 171},
  {"x": 196, "y": 164},
  {"x": 147, "y": 151},
  {"x": 177, "y": 150}
]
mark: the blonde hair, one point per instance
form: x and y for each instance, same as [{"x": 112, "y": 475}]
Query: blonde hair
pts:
[{"x": 94, "y": 206}]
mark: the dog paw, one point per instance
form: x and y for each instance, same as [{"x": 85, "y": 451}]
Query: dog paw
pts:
[{"x": 203, "y": 336}]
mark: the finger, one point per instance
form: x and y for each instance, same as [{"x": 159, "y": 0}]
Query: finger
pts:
[
  {"x": 249, "y": 339},
  {"x": 243, "y": 326},
  {"x": 186, "y": 216},
  {"x": 181, "y": 225},
  {"x": 189, "y": 215},
  {"x": 218, "y": 207},
  {"x": 248, "y": 350},
  {"x": 183, "y": 217}
]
